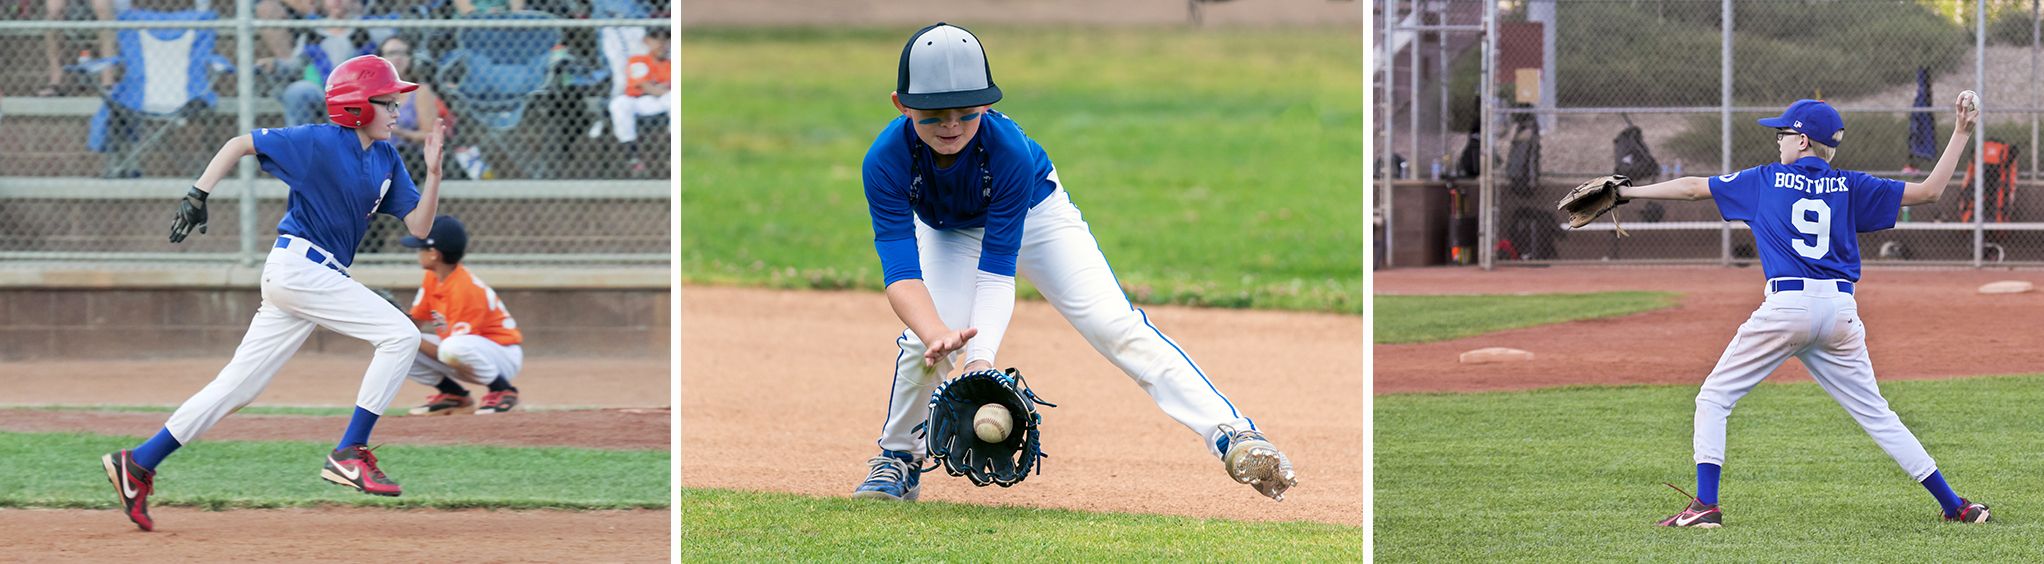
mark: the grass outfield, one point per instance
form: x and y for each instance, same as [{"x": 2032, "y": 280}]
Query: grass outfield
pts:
[
  {"x": 752, "y": 526},
  {"x": 1219, "y": 168},
  {"x": 1575, "y": 474},
  {"x": 63, "y": 470},
  {"x": 1422, "y": 319}
]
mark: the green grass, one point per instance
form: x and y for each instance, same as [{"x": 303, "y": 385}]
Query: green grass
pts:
[
  {"x": 1670, "y": 50},
  {"x": 63, "y": 470},
  {"x": 1216, "y": 168},
  {"x": 750, "y": 526},
  {"x": 1422, "y": 319},
  {"x": 1574, "y": 475}
]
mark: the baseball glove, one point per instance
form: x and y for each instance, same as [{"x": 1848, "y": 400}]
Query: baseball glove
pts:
[
  {"x": 1593, "y": 199},
  {"x": 954, "y": 445}
]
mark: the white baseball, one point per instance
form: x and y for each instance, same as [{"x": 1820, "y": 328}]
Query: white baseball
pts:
[
  {"x": 992, "y": 422},
  {"x": 1970, "y": 101}
]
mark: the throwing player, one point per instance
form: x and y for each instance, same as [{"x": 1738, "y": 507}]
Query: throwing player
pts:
[
  {"x": 951, "y": 185},
  {"x": 473, "y": 337},
  {"x": 340, "y": 174},
  {"x": 1806, "y": 219}
]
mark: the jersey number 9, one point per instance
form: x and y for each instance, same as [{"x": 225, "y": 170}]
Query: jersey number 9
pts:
[{"x": 1819, "y": 228}]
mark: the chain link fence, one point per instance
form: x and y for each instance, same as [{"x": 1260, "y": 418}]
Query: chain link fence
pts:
[
  {"x": 559, "y": 116},
  {"x": 1665, "y": 88}
]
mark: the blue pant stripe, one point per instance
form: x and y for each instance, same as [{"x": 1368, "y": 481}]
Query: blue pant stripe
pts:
[
  {"x": 892, "y": 374},
  {"x": 1195, "y": 366}
]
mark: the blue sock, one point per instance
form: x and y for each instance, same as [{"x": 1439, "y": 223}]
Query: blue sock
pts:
[
  {"x": 155, "y": 449},
  {"x": 358, "y": 429},
  {"x": 1939, "y": 489},
  {"x": 1707, "y": 482}
]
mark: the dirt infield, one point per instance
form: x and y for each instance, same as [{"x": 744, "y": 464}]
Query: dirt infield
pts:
[
  {"x": 785, "y": 391},
  {"x": 637, "y": 417},
  {"x": 336, "y": 533},
  {"x": 1921, "y": 324}
]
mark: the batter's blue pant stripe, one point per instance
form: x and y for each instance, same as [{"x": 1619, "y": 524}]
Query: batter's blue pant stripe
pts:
[
  {"x": 895, "y": 373},
  {"x": 1195, "y": 366}
]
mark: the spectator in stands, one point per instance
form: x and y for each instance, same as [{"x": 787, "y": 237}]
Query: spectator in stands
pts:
[
  {"x": 54, "y": 51},
  {"x": 323, "y": 48},
  {"x": 648, "y": 92},
  {"x": 410, "y": 134},
  {"x": 289, "y": 49},
  {"x": 280, "y": 42},
  {"x": 619, "y": 44},
  {"x": 466, "y": 7}
]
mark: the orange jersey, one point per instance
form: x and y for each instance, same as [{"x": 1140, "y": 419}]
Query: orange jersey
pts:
[
  {"x": 463, "y": 305},
  {"x": 643, "y": 69}
]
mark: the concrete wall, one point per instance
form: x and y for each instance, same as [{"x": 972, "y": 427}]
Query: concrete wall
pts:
[{"x": 153, "y": 314}]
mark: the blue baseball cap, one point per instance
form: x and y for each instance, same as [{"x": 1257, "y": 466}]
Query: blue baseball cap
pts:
[{"x": 1813, "y": 118}]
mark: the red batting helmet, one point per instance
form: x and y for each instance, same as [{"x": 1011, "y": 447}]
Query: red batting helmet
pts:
[{"x": 351, "y": 85}]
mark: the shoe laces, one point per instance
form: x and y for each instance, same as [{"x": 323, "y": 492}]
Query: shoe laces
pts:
[
  {"x": 368, "y": 457},
  {"x": 1236, "y": 436},
  {"x": 1694, "y": 503},
  {"x": 887, "y": 468}
]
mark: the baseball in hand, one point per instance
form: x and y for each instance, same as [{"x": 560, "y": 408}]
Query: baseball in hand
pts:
[
  {"x": 1969, "y": 101},
  {"x": 992, "y": 422}
]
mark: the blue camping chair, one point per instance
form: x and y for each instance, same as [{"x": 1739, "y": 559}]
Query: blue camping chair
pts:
[
  {"x": 166, "y": 80},
  {"x": 493, "y": 75}
]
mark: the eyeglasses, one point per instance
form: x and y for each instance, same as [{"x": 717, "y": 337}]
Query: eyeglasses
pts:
[
  {"x": 387, "y": 105},
  {"x": 938, "y": 120},
  {"x": 1780, "y": 133},
  {"x": 397, "y": 53}
]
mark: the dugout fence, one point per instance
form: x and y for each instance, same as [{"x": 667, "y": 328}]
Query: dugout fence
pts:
[{"x": 1555, "y": 84}]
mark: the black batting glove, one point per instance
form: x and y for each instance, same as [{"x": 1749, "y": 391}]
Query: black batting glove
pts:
[{"x": 191, "y": 212}]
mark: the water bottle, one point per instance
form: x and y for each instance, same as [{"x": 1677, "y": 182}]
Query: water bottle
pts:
[{"x": 1434, "y": 169}]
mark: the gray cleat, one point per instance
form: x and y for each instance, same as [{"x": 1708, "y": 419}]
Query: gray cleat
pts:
[{"x": 1251, "y": 459}]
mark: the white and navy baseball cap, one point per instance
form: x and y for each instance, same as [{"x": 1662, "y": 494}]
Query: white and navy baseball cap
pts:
[
  {"x": 1813, "y": 118},
  {"x": 942, "y": 67}
]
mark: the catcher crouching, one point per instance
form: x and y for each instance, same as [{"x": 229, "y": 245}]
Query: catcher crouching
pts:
[{"x": 950, "y": 185}]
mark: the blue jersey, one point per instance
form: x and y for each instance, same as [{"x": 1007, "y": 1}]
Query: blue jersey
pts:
[
  {"x": 1806, "y": 217},
  {"x": 336, "y": 185},
  {"x": 999, "y": 175}
]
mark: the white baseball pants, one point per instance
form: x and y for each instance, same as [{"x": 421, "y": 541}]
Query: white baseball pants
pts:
[
  {"x": 625, "y": 112},
  {"x": 1059, "y": 256},
  {"x": 1819, "y": 325},
  {"x": 299, "y": 295},
  {"x": 484, "y": 357}
]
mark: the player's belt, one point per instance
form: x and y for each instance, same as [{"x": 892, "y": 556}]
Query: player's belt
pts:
[
  {"x": 1794, "y": 285},
  {"x": 312, "y": 253}
]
